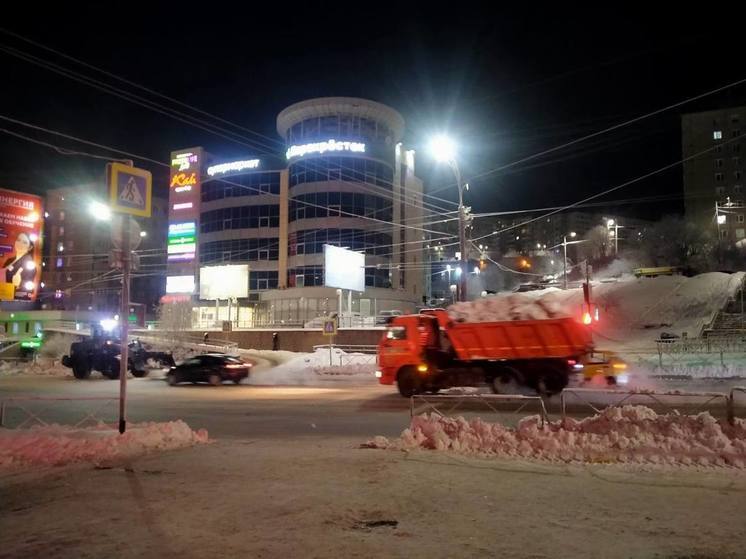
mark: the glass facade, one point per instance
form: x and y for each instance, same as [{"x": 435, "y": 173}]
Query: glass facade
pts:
[
  {"x": 251, "y": 185},
  {"x": 331, "y": 204},
  {"x": 348, "y": 169},
  {"x": 262, "y": 280},
  {"x": 240, "y": 217},
  {"x": 239, "y": 250},
  {"x": 313, "y": 276},
  {"x": 339, "y": 126},
  {"x": 312, "y": 241}
]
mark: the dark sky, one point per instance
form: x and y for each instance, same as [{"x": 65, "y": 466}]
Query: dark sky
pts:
[{"x": 505, "y": 83}]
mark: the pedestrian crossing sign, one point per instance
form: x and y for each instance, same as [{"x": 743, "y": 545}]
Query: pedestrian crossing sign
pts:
[
  {"x": 330, "y": 327},
  {"x": 130, "y": 189}
]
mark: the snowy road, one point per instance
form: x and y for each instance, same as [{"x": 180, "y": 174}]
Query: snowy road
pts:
[{"x": 330, "y": 409}]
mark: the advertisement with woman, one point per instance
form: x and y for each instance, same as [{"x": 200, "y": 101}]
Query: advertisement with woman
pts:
[{"x": 20, "y": 245}]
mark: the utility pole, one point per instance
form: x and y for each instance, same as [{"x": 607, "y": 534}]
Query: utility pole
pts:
[{"x": 124, "y": 313}]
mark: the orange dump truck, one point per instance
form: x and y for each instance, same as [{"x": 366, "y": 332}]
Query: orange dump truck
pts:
[{"x": 429, "y": 351}]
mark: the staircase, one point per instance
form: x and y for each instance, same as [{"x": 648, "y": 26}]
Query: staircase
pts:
[{"x": 729, "y": 322}]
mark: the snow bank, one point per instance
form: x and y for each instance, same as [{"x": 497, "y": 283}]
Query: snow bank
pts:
[
  {"x": 42, "y": 367},
  {"x": 56, "y": 445},
  {"x": 628, "y": 434},
  {"x": 314, "y": 368}
]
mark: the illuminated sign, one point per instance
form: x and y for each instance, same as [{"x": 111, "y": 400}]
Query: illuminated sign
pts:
[
  {"x": 184, "y": 179},
  {"x": 182, "y": 248},
  {"x": 183, "y": 189},
  {"x": 184, "y": 161},
  {"x": 180, "y": 284},
  {"x": 323, "y": 147},
  {"x": 183, "y": 240},
  {"x": 20, "y": 246},
  {"x": 187, "y": 227},
  {"x": 181, "y": 257},
  {"x": 233, "y": 166},
  {"x": 184, "y": 206}
]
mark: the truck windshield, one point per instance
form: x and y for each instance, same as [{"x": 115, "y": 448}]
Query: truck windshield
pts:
[{"x": 396, "y": 333}]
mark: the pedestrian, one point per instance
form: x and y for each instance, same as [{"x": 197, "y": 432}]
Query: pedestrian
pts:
[
  {"x": 206, "y": 335},
  {"x": 275, "y": 341}
]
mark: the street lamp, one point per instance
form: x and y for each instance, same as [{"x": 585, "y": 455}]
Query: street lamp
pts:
[
  {"x": 613, "y": 228},
  {"x": 564, "y": 246},
  {"x": 443, "y": 149},
  {"x": 99, "y": 211}
]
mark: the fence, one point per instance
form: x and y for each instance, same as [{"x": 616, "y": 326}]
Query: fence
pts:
[
  {"x": 435, "y": 403},
  {"x": 628, "y": 397},
  {"x": 39, "y": 410}
]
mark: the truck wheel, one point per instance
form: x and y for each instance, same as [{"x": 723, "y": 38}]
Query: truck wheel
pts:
[
  {"x": 409, "y": 382},
  {"x": 509, "y": 381},
  {"x": 81, "y": 370},
  {"x": 551, "y": 382}
]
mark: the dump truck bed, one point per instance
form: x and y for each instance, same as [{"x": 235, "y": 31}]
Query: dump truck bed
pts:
[{"x": 519, "y": 339}]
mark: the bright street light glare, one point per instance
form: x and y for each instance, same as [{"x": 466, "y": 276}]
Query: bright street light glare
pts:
[
  {"x": 721, "y": 219},
  {"x": 99, "y": 211},
  {"x": 442, "y": 148},
  {"x": 610, "y": 223},
  {"x": 143, "y": 233},
  {"x": 573, "y": 234}
]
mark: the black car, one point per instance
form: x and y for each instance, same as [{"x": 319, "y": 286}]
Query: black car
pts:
[{"x": 212, "y": 367}]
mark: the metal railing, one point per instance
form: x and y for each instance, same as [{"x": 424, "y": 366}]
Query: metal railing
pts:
[
  {"x": 628, "y": 397},
  {"x": 457, "y": 401},
  {"x": 732, "y": 405},
  {"x": 371, "y": 349},
  {"x": 36, "y": 416}
]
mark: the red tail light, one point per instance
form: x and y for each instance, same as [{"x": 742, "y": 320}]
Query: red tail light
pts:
[{"x": 587, "y": 318}]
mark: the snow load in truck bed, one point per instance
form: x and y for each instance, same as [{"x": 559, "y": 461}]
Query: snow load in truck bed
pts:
[{"x": 629, "y": 308}]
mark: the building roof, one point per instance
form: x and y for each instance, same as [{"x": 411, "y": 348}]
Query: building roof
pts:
[{"x": 329, "y": 106}]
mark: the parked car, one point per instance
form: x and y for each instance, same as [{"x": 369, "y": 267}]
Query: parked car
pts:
[
  {"x": 384, "y": 316},
  {"x": 528, "y": 287},
  {"x": 210, "y": 367}
]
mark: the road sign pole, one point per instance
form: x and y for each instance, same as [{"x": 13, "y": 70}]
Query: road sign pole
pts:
[{"x": 124, "y": 313}]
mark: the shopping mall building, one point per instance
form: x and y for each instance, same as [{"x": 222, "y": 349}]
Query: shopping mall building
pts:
[{"x": 345, "y": 179}]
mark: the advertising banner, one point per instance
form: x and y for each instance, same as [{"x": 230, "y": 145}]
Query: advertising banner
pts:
[{"x": 20, "y": 245}]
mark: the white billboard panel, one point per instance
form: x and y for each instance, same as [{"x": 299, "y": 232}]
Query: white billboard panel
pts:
[
  {"x": 344, "y": 268},
  {"x": 224, "y": 282},
  {"x": 180, "y": 284}
]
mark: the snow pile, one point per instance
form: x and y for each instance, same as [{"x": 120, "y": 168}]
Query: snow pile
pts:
[
  {"x": 314, "y": 368},
  {"x": 516, "y": 306},
  {"x": 42, "y": 367},
  {"x": 56, "y": 445},
  {"x": 628, "y": 434}
]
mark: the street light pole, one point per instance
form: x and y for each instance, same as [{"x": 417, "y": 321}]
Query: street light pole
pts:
[
  {"x": 461, "y": 229},
  {"x": 564, "y": 261}
]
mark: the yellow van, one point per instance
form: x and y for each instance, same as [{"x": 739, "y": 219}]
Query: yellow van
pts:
[{"x": 607, "y": 365}]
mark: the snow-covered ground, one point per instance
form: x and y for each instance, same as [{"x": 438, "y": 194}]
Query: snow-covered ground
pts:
[
  {"x": 57, "y": 445},
  {"x": 627, "y": 434}
]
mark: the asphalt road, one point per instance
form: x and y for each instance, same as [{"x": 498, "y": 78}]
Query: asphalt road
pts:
[{"x": 331, "y": 409}]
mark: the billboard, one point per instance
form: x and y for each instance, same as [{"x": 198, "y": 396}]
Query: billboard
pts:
[
  {"x": 224, "y": 282},
  {"x": 20, "y": 245},
  {"x": 344, "y": 268},
  {"x": 180, "y": 284}
]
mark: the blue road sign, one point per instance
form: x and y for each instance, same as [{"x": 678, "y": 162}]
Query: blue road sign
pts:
[{"x": 130, "y": 190}]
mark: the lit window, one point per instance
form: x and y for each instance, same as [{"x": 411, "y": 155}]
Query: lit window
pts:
[
  {"x": 717, "y": 135},
  {"x": 739, "y": 233},
  {"x": 60, "y": 247},
  {"x": 58, "y": 264}
]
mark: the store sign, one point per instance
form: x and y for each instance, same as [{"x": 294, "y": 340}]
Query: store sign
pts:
[
  {"x": 183, "y": 257},
  {"x": 184, "y": 179},
  {"x": 232, "y": 167},
  {"x": 185, "y": 228},
  {"x": 184, "y": 161},
  {"x": 323, "y": 147},
  {"x": 182, "y": 248},
  {"x": 183, "y": 206}
]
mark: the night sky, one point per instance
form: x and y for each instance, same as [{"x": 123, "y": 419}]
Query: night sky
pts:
[{"x": 506, "y": 84}]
